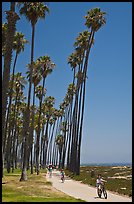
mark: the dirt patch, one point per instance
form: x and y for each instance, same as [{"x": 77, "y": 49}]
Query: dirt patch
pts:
[{"x": 20, "y": 186}]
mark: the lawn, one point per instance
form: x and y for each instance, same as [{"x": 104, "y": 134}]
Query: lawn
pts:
[{"x": 35, "y": 189}]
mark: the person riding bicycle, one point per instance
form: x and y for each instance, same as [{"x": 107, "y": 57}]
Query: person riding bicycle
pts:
[
  {"x": 62, "y": 174},
  {"x": 50, "y": 168},
  {"x": 100, "y": 186},
  {"x": 100, "y": 181}
]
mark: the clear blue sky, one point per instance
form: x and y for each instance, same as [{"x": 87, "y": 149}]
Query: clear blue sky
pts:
[{"x": 107, "y": 131}]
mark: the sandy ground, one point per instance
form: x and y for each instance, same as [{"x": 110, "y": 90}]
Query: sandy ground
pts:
[{"x": 82, "y": 191}]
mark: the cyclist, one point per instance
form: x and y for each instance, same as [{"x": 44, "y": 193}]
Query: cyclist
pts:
[
  {"x": 50, "y": 168},
  {"x": 62, "y": 175},
  {"x": 100, "y": 181}
]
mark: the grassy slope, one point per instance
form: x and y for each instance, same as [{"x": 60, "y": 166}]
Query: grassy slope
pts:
[
  {"x": 114, "y": 185},
  {"x": 35, "y": 189}
]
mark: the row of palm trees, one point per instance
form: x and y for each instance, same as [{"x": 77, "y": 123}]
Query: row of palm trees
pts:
[
  {"x": 74, "y": 100},
  {"x": 38, "y": 134},
  {"x": 7, "y": 44}
]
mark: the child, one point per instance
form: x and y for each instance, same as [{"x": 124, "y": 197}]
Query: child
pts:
[
  {"x": 100, "y": 181},
  {"x": 62, "y": 175},
  {"x": 50, "y": 170}
]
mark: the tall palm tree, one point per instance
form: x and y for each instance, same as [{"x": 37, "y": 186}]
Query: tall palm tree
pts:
[
  {"x": 60, "y": 141},
  {"x": 77, "y": 57},
  {"x": 49, "y": 102},
  {"x": 51, "y": 140},
  {"x": 40, "y": 92},
  {"x": 18, "y": 46},
  {"x": 42, "y": 142},
  {"x": 17, "y": 120},
  {"x": 36, "y": 78},
  {"x": 59, "y": 114},
  {"x": 12, "y": 18},
  {"x": 18, "y": 86},
  {"x": 70, "y": 93},
  {"x": 46, "y": 67},
  {"x": 33, "y": 12},
  {"x": 95, "y": 19}
]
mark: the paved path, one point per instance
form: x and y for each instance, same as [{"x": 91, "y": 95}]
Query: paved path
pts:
[{"x": 82, "y": 191}]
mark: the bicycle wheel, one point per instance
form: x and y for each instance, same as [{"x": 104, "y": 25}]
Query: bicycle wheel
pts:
[
  {"x": 99, "y": 193},
  {"x": 105, "y": 194}
]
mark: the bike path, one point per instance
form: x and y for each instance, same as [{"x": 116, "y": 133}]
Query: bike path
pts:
[{"x": 82, "y": 191}]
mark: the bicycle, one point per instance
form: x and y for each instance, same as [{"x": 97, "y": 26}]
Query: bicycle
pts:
[{"x": 101, "y": 189}]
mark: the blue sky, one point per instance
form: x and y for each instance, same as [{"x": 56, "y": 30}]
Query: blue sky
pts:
[{"x": 107, "y": 130}]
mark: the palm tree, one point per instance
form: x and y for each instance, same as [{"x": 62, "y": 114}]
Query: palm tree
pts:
[
  {"x": 33, "y": 12},
  {"x": 40, "y": 92},
  {"x": 42, "y": 142},
  {"x": 46, "y": 67},
  {"x": 36, "y": 78},
  {"x": 70, "y": 93},
  {"x": 12, "y": 18},
  {"x": 49, "y": 102},
  {"x": 17, "y": 126},
  {"x": 55, "y": 115},
  {"x": 18, "y": 86},
  {"x": 77, "y": 60},
  {"x": 18, "y": 142},
  {"x": 94, "y": 21},
  {"x": 18, "y": 46},
  {"x": 59, "y": 114},
  {"x": 60, "y": 141}
]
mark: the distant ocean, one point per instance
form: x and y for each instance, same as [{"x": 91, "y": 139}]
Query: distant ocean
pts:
[{"x": 106, "y": 164}]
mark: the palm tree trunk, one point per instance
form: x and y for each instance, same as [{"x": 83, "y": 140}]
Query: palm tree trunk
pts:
[
  {"x": 50, "y": 144},
  {"x": 13, "y": 150},
  {"x": 31, "y": 133},
  {"x": 77, "y": 127},
  {"x": 10, "y": 137},
  {"x": 80, "y": 133},
  {"x": 60, "y": 156},
  {"x": 12, "y": 18},
  {"x": 43, "y": 164},
  {"x": 65, "y": 138},
  {"x": 9, "y": 106},
  {"x": 16, "y": 149},
  {"x": 38, "y": 131},
  {"x": 70, "y": 129},
  {"x": 41, "y": 151},
  {"x": 27, "y": 114},
  {"x": 74, "y": 124},
  {"x": 46, "y": 146},
  {"x": 10, "y": 102},
  {"x": 16, "y": 110},
  {"x": 83, "y": 102},
  {"x": 49, "y": 137}
]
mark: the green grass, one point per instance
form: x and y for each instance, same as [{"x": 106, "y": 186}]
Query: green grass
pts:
[
  {"x": 114, "y": 185},
  {"x": 35, "y": 189}
]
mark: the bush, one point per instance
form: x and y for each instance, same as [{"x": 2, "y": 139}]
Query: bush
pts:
[{"x": 92, "y": 173}]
